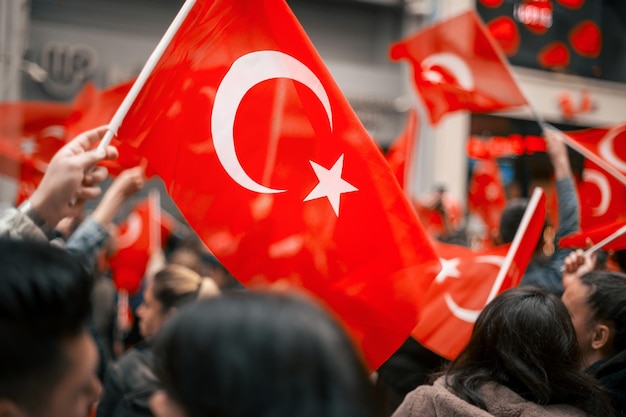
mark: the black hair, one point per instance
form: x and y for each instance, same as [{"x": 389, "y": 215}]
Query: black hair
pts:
[
  {"x": 524, "y": 339},
  {"x": 261, "y": 354},
  {"x": 607, "y": 301},
  {"x": 511, "y": 218},
  {"x": 44, "y": 301}
]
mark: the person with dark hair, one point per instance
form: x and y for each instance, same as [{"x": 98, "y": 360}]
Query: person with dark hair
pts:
[
  {"x": 547, "y": 272},
  {"x": 250, "y": 354},
  {"x": 596, "y": 301},
  {"x": 48, "y": 358},
  {"x": 522, "y": 360},
  {"x": 130, "y": 381}
]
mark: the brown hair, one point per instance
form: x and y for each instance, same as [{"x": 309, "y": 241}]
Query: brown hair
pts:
[{"x": 175, "y": 285}]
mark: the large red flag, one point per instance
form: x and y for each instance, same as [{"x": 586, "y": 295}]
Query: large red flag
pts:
[
  {"x": 486, "y": 195},
  {"x": 469, "y": 279},
  {"x": 457, "y": 65},
  {"x": 400, "y": 154},
  {"x": 272, "y": 168},
  {"x": 134, "y": 245}
]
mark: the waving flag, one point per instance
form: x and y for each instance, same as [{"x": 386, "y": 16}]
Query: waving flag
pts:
[
  {"x": 597, "y": 234},
  {"x": 605, "y": 147},
  {"x": 272, "y": 168},
  {"x": 468, "y": 280},
  {"x": 134, "y": 245},
  {"x": 486, "y": 195},
  {"x": 457, "y": 65},
  {"x": 400, "y": 154},
  {"x": 602, "y": 197}
]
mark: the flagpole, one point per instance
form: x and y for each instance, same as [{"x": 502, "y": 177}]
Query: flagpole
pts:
[
  {"x": 517, "y": 241},
  {"x": 147, "y": 69},
  {"x": 154, "y": 203}
]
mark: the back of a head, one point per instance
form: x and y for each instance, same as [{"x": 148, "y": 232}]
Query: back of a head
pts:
[
  {"x": 44, "y": 300},
  {"x": 260, "y": 354},
  {"x": 511, "y": 218},
  {"x": 524, "y": 339},
  {"x": 176, "y": 285},
  {"x": 607, "y": 302}
]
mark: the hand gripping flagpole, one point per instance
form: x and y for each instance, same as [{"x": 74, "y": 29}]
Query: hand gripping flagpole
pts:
[{"x": 147, "y": 69}]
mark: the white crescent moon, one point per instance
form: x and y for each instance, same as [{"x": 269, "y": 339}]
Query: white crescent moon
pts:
[
  {"x": 600, "y": 180},
  {"x": 246, "y": 72},
  {"x": 132, "y": 232},
  {"x": 606, "y": 148},
  {"x": 466, "y": 314},
  {"x": 451, "y": 62}
]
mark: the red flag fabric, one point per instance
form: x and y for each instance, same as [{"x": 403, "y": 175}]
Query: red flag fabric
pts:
[
  {"x": 400, "y": 154},
  {"x": 273, "y": 170},
  {"x": 457, "y": 65},
  {"x": 469, "y": 279},
  {"x": 96, "y": 108},
  {"x": 133, "y": 246},
  {"x": 602, "y": 197},
  {"x": 486, "y": 195},
  {"x": 30, "y": 177},
  {"x": 605, "y": 147},
  {"x": 30, "y": 131},
  {"x": 596, "y": 234}
]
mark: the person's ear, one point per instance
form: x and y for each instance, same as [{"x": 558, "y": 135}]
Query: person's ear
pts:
[
  {"x": 9, "y": 409},
  {"x": 601, "y": 336}
]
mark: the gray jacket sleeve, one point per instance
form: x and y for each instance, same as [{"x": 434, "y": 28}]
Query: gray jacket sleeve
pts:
[
  {"x": 549, "y": 276},
  {"x": 86, "y": 241},
  {"x": 16, "y": 225}
]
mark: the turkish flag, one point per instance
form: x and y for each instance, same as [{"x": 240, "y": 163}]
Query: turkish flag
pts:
[
  {"x": 134, "y": 245},
  {"x": 597, "y": 234},
  {"x": 273, "y": 170},
  {"x": 30, "y": 131},
  {"x": 469, "y": 279},
  {"x": 457, "y": 65},
  {"x": 602, "y": 197},
  {"x": 486, "y": 195},
  {"x": 400, "y": 154},
  {"x": 605, "y": 147},
  {"x": 94, "y": 108}
]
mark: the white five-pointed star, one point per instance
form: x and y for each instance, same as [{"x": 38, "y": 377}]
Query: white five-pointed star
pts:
[
  {"x": 448, "y": 269},
  {"x": 330, "y": 185}
]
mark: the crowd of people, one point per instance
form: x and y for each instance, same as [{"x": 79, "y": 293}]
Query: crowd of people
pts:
[{"x": 554, "y": 346}]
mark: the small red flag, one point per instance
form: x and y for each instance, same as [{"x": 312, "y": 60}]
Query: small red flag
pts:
[
  {"x": 469, "y": 279},
  {"x": 486, "y": 195},
  {"x": 605, "y": 147},
  {"x": 602, "y": 197},
  {"x": 597, "y": 234},
  {"x": 134, "y": 246},
  {"x": 457, "y": 65},
  {"x": 272, "y": 168}
]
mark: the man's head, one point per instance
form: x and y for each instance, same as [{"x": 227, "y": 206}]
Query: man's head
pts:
[
  {"x": 47, "y": 358},
  {"x": 597, "y": 305}
]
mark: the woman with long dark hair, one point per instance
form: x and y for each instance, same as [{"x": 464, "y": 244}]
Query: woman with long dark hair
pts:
[{"x": 522, "y": 360}]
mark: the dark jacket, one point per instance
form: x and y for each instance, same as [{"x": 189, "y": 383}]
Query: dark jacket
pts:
[
  {"x": 611, "y": 372},
  {"x": 129, "y": 384}
]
